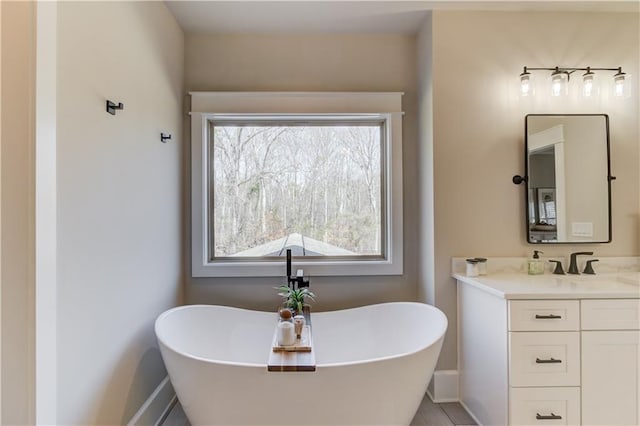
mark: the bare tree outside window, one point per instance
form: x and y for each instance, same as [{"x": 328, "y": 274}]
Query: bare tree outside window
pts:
[{"x": 278, "y": 184}]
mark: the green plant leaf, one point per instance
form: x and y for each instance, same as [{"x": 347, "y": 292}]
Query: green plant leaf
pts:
[{"x": 295, "y": 298}]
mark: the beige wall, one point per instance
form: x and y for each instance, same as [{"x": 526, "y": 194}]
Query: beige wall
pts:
[
  {"x": 119, "y": 203},
  {"x": 314, "y": 63},
  {"x": 17, "y": 212},
  {"x": 479, "y": 131}
]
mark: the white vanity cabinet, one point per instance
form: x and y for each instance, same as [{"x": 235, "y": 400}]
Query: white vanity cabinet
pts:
[{"x": 561, "y": 359}]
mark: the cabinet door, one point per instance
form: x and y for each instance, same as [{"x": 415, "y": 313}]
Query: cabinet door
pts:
[{"x": 610, "y": 377}]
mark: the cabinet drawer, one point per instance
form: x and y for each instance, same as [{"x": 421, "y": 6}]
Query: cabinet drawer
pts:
[
  {"x": 544, "y": 406},
  {"x": 611, "y": 314},
  {"x": 544, "y": 358},
  {"x": 544, "y": 315}
]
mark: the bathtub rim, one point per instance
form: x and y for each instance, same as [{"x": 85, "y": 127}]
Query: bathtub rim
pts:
[{"x": 441, "y": 333}]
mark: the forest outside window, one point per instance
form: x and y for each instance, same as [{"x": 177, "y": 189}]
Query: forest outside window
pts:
[
  {"x": 313, "y": 186},
  {"x": 318, "y": 184}
]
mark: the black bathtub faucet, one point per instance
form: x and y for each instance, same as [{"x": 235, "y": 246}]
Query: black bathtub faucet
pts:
[{"x": 298, "y": 279}]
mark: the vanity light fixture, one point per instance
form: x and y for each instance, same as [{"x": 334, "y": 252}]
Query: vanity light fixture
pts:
[{"x": 560, "y": 77}]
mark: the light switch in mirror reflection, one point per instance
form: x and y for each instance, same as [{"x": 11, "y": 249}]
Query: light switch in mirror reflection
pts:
[{"x": 568, "y": 178}]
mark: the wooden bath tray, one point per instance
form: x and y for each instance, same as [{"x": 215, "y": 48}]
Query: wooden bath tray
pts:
[
  {"x": 299, "y": 357},
  {"x": 302, "y": 345}
]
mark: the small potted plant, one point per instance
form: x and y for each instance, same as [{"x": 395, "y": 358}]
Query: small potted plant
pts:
[{"x": 294, "y": 298}]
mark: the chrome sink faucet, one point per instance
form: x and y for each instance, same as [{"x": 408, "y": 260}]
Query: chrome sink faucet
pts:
[{"x": 573, "y": 265}]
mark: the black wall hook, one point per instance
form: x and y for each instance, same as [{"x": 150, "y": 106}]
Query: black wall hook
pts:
[
  {"x": 517, "y": 179},
  {"x": 112, "y": 107},
  {"x": 164, "y": 138}
]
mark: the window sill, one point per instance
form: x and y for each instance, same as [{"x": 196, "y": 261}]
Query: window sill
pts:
[{"x": 316, "y": 268}]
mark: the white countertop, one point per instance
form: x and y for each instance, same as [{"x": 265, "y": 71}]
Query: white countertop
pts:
[{"x": 622, "y": 285}]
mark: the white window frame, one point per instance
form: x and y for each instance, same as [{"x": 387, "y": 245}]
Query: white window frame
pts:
[{"x": 207, "y": 106}]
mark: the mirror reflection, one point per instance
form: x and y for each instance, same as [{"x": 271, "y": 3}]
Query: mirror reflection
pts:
[{"x": 568, "y": 194}]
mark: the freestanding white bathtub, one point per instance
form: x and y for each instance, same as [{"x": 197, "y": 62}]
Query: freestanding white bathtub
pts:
[{"x": 373, "y": 365}]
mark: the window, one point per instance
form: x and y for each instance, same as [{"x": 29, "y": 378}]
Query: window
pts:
[
  {"x": 325, "y": 185},
  {"x": 312, "y": 185}
]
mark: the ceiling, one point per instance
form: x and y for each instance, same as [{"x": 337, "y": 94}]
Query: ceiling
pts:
[{"x": 364, "y": 16}]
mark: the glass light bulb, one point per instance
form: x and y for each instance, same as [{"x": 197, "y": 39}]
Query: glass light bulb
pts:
[
  {"x": 588, "y": 85},
  {"x": 557, "y": 85},
  {"x": 619, "y": 86},
  {"x": 525, "y": 85}
]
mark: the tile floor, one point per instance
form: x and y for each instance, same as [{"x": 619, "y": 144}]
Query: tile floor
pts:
[{"x": 429, "y": 414}]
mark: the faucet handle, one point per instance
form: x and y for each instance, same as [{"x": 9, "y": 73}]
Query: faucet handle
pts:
[
  {"x": 300, "y": 280},
  {"x": 558, "y": 270},
  {"x": 588, "y": 269}
]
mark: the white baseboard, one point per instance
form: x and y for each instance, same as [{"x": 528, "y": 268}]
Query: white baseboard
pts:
[
  {"x": 475, "y": 419},
  {"x": 156, "y": 407},
  {"x": 444, "y": 386}
]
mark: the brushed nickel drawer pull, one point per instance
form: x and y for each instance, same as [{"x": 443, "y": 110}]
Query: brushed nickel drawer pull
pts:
[
  {"x": 548, "y": 361},
  {"x": 551, "y": 417},
  {"x": 551, "y": 316}
]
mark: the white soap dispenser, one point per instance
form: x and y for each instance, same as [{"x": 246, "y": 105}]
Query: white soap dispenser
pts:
[{"x": 535, "y": 266}]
